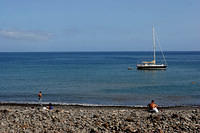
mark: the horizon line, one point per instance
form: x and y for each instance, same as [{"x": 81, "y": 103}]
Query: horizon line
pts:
[{"x": 94, "y": 51}]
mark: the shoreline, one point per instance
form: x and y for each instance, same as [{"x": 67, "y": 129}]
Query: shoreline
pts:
[{"x": 31, "y": 104}]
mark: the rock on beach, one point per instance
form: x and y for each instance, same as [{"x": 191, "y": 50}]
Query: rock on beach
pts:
[{"x": 80, "y": 119}]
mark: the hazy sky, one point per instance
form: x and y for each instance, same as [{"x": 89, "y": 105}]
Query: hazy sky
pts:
[{"x": 98, "y": 25}]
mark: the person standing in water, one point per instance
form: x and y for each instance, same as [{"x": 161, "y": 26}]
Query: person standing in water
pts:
[{"x": 40, "y": 97}]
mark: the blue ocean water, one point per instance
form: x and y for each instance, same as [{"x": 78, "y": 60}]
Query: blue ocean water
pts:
[{"x": 99, "y": 78}]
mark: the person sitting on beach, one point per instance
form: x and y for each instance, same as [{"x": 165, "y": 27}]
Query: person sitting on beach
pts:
[
  {"x": 153, "y": 107},
  {"x": 50, "y": 107}
]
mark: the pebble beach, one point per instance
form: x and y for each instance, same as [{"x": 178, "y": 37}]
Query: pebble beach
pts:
[{"x": 27, "y": 118}]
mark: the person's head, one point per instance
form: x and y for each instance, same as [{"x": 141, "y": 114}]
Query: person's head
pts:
[
  {"x": 152, "y": 101},
  {"x": 40, "y": 92}
]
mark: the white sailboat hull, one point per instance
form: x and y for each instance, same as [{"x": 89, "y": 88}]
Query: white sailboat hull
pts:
[{"x": 151, "y": 66}]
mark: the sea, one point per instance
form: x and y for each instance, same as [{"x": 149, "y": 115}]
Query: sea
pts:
[{"x": 99, "y": 78}]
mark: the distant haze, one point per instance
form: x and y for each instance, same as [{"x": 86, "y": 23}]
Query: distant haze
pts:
[{"x": 98, "y": 25}]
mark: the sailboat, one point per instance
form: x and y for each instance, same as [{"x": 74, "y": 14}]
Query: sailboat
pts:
[{"x": 152, "y": 65}]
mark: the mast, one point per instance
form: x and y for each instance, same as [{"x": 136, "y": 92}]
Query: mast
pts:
[{"x": 154, "y": 46}]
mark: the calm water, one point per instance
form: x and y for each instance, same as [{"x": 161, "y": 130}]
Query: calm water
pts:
[{"x": 99, "y": 78}]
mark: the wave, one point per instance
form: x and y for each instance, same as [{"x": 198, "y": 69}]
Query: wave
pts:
[{"x": 22, "y": 103}]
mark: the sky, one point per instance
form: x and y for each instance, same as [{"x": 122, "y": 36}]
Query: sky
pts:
[{"x": 98, "y": 25}]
